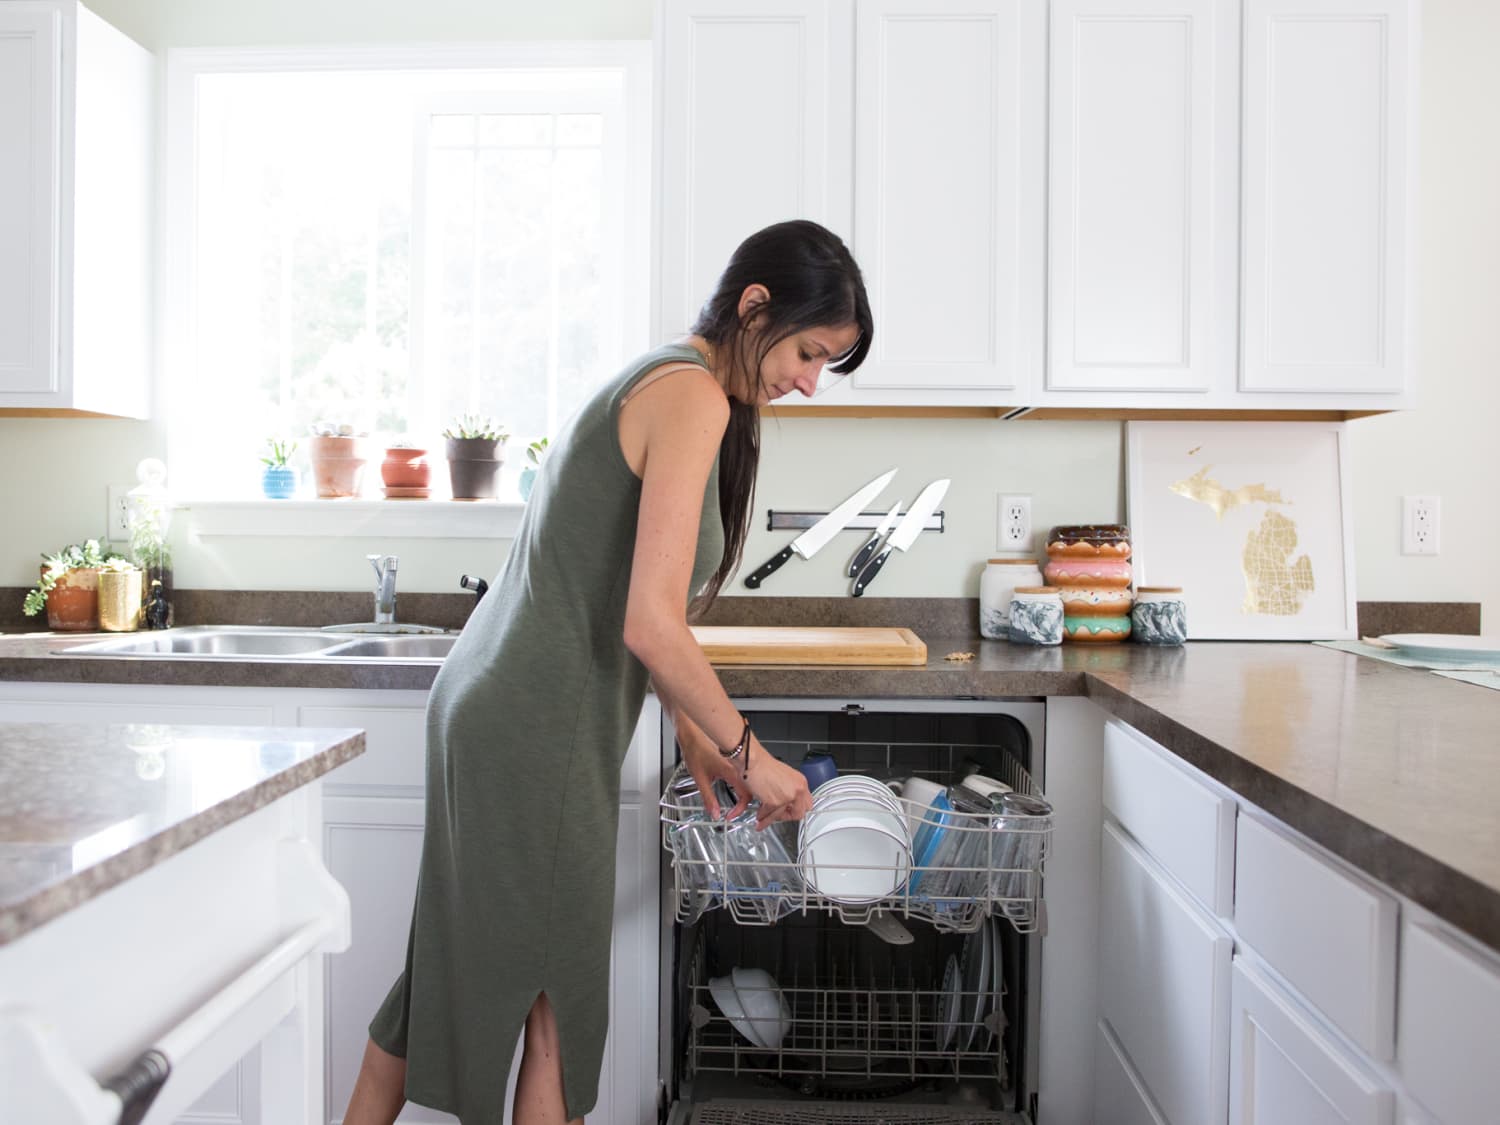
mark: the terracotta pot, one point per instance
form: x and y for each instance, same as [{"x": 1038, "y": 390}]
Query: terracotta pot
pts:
[
  {"x": 338, "y": 465},
  {"x": 473, "y": 466},
  {"x": 406, "y": 472},
  {"x": 73, "y": 604}
]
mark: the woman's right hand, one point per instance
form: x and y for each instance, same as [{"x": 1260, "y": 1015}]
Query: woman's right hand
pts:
[{"x": 781, "y": 789}]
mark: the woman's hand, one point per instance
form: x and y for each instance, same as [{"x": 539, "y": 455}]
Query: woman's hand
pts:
[{"x": 781, "y": 790}]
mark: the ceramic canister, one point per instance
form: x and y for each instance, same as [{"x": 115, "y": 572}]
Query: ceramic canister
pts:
[
  {"x": 1036, "y": 616},
  {"x": 996, "y": 587},
  {"x": 1159, "y": 616},
  {"x": 1090, "y": 566}
]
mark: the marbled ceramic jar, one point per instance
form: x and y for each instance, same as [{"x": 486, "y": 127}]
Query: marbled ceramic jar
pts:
[
  {"x": 997, "y": 587},
  {"x": 1036, "y": 616},
  {"x": 1159, "y": 616}
]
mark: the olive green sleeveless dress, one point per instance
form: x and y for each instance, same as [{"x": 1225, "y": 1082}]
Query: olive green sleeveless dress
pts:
[{"x": 527, "y": 726}]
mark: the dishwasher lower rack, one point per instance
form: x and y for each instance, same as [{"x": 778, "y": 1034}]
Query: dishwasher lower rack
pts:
[
  {"x": 960, "y": 868},
  {"x": 830, "y": 1034}
]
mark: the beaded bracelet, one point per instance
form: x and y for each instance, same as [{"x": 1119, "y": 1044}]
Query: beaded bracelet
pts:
[{"x": 741, "y": 748}]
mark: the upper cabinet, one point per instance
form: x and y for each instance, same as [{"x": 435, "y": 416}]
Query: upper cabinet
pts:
[
  {"x": 1119, "y": 205},
  {"x": 1327, "y": 200},
  {"x": 76, "y": 174}
]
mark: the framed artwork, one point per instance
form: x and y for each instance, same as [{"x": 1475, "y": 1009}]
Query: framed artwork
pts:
[{"x": 1251, "y": 519}]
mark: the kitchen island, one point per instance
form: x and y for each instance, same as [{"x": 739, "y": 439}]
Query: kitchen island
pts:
[{"x": 161, "y": 903}]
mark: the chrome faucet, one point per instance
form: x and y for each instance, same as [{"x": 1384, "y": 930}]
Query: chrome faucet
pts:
[{"x": 385, "y": 587}]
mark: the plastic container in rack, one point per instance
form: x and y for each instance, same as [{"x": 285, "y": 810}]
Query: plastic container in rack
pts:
[{"x": 997, "y": 587}]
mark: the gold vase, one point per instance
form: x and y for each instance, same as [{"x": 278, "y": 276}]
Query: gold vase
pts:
[{"x": 119, "y": 601}]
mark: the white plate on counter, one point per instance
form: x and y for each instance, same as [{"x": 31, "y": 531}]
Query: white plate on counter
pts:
[{"x": 1445, "y": 646}]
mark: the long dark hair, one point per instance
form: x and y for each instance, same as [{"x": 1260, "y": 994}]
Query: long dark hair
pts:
[{"x": 813, "y": 282}]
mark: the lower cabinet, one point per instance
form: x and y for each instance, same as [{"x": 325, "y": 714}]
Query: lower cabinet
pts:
[
  {"x": 1283, "y": 1068},
  {"x": 1120, "y": 1097},
  {"x": 1163, "y": 983},
  {"x": 373, "y": 816}
]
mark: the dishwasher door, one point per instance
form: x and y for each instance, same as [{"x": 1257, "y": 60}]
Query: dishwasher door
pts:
[{"x": 830, "y": 1021}]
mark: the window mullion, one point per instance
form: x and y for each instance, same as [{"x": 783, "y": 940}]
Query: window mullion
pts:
[{"x": 472, "y": 397}]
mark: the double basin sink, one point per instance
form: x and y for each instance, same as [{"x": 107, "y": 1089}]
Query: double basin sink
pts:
[{"x": 270, "y": 643}]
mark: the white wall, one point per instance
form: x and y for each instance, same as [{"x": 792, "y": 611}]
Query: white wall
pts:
[{"x": 1072, "y": 469}]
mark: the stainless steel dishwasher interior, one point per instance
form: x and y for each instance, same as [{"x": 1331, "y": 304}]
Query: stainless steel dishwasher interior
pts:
[{"x": 265, "y": 643}]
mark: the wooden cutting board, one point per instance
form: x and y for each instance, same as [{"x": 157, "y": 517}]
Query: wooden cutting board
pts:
[{"x": 774, "y": 644}]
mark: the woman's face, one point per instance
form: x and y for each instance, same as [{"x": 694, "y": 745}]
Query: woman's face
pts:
[{"x": 795, "y": 363}]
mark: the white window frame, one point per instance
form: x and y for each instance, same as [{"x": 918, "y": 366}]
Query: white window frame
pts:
[{"x": 214, "y": 516}]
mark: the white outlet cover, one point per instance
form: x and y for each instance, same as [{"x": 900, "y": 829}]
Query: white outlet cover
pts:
[
  {"x": 117, "y": 527},
  {"x": 1013, "y": 523},
  {"x": 1421, "y": 525}
]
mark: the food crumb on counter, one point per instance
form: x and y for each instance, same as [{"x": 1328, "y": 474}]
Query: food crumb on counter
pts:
[{"x": 959, "y": 656}]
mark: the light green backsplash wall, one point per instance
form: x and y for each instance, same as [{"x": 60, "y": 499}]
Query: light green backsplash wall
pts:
[{"x": 1073, "y": 470}]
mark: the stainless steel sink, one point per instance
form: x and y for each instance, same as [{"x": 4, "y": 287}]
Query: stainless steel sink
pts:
[{"x": 259, "y": 643}]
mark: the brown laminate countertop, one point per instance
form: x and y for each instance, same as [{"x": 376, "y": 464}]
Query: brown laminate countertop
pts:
[
  {"x": 86, "y": 806},
  {"x": 1394, "y": 769}
]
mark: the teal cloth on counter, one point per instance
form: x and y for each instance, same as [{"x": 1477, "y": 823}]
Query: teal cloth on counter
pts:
[
  {"x": 1482, "y": 679},
  {"x": 1484, "y": 673}
]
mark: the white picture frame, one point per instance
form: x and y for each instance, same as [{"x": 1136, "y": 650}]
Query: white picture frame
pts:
[{"x": 1252, "y": 519}]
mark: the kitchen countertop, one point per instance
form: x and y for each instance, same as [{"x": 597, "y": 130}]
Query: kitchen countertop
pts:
[
  {"x": 84, "y": 806},
  {"x": 1393, "y": 769}
]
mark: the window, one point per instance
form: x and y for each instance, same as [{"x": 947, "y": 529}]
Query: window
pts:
[{"x": 388, "y": 241}]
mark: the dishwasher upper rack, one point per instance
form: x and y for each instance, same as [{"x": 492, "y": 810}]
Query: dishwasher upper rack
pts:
[{"x": 729, "y": 865}]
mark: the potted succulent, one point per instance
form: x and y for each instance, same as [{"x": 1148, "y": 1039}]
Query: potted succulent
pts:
[
  {"x": 279, "y": 481},
  {"x": 69, "y": 586},
  {"x": 338, "y": 459},
  {"x": 536, "y": 453},
  {"x": 405, "y": 472},
  {"x": 476, "y": 450}
]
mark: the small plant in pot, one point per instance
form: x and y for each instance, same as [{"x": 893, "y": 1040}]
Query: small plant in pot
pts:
[
  {"x": 338, "y": 459},
  {"x": 69, "y": 586},
  {"x": 476, "y": 450},
  {"x": 405, "y": 472},
  {"x": 279, "y": 481},
  {"x": 536, "y": 453}
]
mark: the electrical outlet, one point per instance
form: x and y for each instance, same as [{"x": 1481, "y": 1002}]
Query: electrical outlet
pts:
[
  {"x": 1421, "y": 525},
  {"x": 1014, "y": 523},
  {"x": 117, "y": 524}
]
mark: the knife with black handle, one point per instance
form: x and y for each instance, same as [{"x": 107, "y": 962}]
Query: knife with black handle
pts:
[
  {"x": 862, "y": 556},
  {"x": 768, "y": 568},
  {"x": 815, "y": 538},
  {"x": 905, "y": 534}
]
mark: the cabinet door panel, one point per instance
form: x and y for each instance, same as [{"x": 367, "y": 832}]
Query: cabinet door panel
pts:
[
  {"x": 940, "y": 89},
  {"x": 1327, "y": 113},
  {"x": 1119, "y": 1095},
  {"x": 395, "y": 759},
  {"x": 746, "y": 139},
  {"x": 30, "y": 148},
  {"x": 1163, "y": 984},
  {"x": 1136, "y": 167},
  {"x": 1284, "y": 1069}
]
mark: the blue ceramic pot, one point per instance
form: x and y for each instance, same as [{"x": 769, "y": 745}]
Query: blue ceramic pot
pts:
[
  {"x": 278, "y": 484},
  {"x": 528, "y": 478}
]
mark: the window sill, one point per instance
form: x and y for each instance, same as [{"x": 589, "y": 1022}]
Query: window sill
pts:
[{"x": 421, "y": 519}]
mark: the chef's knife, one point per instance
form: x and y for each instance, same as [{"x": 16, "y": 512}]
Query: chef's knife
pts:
[
  {"x": 815, "y": 538},
  {"x": 863, "y": 555},
  {"x": 906, "y": 532}
]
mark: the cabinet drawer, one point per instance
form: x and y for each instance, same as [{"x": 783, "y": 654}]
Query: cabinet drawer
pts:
[
  {"x": 395, "y": 759},
  {"x": 1284, "y": 1069},
  {"x": 1164, "y": 984},
  {"x": 1330, "y": 935},
  {"x": 1448, "y": 1048},
  {"x": 1184, "y": 825},
  {"x": 1120, "y": 1096}
]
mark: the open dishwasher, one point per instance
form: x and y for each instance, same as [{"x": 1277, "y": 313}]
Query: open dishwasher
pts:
[{"x": 807, "y": 985}]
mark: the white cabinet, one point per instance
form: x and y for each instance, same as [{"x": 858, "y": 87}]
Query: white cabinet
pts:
[
  {"x": 947, "y": 195},
  {"x": 1163, "y": 984},
  {"x": 1284, "y": 1069},
  {"x": 1329, "y": 163},
  {"x": 1141, "y": 244},
  {"x": 749, "y": 98},
  {"x": 911, "y": 128},
  {"x": 76, "y": 146}
]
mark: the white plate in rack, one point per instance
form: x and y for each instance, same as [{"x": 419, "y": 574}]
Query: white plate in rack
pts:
[
  {"x": 1446, "y": 646},
  {"x": 951, "y": 999},
  {"x": 976, "y": 973}
]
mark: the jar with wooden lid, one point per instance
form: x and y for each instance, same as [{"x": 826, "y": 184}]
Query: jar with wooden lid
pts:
[
  {"x": 1159, "y": 615},
  {"x": 996, "y": 587},
  {"x": 1036, "y": 616}
]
